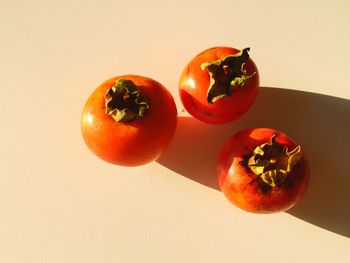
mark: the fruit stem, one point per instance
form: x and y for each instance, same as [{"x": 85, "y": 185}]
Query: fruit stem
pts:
[
  {"x": 125, "y": 102},
  {"x": 227, "y": 74},
  {"x": 273, "y": 162}
]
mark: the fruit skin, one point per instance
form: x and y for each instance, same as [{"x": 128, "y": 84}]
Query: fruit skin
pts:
[
  {"x": 243, "y": 188},
  {"x": 130, "y": 143},
  {"x": 194, "y": 83}
]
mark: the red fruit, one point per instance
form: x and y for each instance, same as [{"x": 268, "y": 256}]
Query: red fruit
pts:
[
  {"x": 129, "y": 120},
  {"x": 262, "y": 170},
  {"x": 219, "y": 85}
]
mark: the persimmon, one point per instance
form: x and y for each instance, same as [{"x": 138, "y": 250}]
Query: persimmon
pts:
[
  {"x": 219, "y": 85},
  {"x": 129, "y": 120},
  {"x": 262, "y": 170}
]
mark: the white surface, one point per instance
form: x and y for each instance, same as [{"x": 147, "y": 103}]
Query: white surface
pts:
[{"x": 59, "y": 203}]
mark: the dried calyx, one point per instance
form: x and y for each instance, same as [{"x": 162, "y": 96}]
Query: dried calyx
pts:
[
  {"x": 273, "y": 162},
  {"x": 227, "y": 74},
  {"x": 125, "y": 102}
]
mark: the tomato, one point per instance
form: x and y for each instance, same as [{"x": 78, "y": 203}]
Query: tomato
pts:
[
  {"x": 129, "y": 120},
  {"x": 262, "y": 170},
  {"x": 219, "y": 85}
]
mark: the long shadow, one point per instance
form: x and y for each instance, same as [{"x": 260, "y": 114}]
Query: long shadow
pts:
[{"x": 318, "y": 122}]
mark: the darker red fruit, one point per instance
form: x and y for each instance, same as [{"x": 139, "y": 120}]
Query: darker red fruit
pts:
[
  {"x": 262, "y": 170},
  {"x": 219, "y": 85}
]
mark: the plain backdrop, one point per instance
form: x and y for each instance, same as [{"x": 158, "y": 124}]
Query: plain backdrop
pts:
[{"x": 60, "y": 203}]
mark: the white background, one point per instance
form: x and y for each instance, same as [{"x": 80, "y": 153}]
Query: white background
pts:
[{"x": 60, "y": 203}]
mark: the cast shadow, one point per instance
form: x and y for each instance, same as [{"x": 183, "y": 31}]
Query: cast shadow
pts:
[{"x": 318, "y": 122}]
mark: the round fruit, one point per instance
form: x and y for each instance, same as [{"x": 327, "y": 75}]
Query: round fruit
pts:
[
  {"x": 262, "y": 170},
  {"x": 219, "y": 85},
  {"x": 129, "y": 120}
]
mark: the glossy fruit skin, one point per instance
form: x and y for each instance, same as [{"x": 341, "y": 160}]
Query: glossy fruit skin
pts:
[
  {"x": 130, "y": 143},
  {"x": 240, "y": 185},
  {"x": 193, "y": 87}
]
